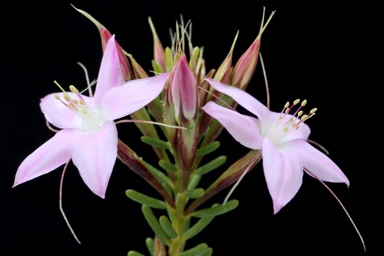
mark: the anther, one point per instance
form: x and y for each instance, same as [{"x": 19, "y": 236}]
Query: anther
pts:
[
  {"x": 66, "y": 97},
  {"x": 304, "y": 103},
  {"x": 304, "y": 118},
  {"x": 296, "y": 102},
  {"x": 73, "y": 89}
]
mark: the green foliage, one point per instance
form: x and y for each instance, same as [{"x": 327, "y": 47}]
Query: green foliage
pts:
[{"x": 145, "y": 200}]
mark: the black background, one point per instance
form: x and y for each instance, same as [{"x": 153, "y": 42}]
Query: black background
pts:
[{"x": 311, "y": 50}]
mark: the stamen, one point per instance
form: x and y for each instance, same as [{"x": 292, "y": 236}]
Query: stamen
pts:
[
  {"x": 66, "y": 97},
  {"x": 300, "y": 113},
  {"x": 304, "y": 118},
  {"x": 73, "y": 89},
  {"x": 341, "y": 205},
  {"x": 61, "y": 204},
  {"x": 291, "y": 124},
  {"x": 58, "y": 85}
]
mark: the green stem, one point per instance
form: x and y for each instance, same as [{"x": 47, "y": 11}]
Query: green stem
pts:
[{"x": 180, "y": 223}]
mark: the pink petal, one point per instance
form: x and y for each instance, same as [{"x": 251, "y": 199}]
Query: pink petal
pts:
[
  {"x": 110, "y": 73},
  {"x": 317, "y": 162},
  {"x": 133, "y": 95},
  {"x": 46, "y": 158},
  {"x": 243, "y": 128},
  {"x": 58, "y": 114},
  {"x": 283, "y": 173},
  {"x": 94, "y": 155},
  {"x": 243, "y": 98}
]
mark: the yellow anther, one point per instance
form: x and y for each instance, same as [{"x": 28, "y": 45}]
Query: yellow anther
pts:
[
  {"x": 286, "y": 111},
  {"x": 297, "y": 127},
  {"x": 57, "y": 97},
  {"x": 300, "y": 113},
  {"x": 74, "y": 101},
  {"x": 286, "y": 105},
  {"x": 73, "y": 89},
  {"x": 313, "y": 110},
  {"x": 285, "y": 129},
  {"x": 304, "y": 103},
  {"x": 66, "y": 97},
  {"x": 296, "y": 102},
  {"x": 304, "y": 117},
  {"x": 82, "y": 102}
]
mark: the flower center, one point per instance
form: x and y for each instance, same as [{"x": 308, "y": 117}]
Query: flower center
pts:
[
  {"x": 92, "y": 118},
  {"x": 288, "y": 123}
]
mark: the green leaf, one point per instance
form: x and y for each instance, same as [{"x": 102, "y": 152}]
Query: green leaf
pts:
[
  {"x": 194, "y": 181},
  {"x": 150, "y": 243},
  {"x": 208, "y": 149},
  {"x": 158, "y": 174},
  {"x": 168, "y": 166},
  {"x": 135, "y": 253},
  {"x": 198, "y": 250},
  {"x": 215, "y": 163},
  {"x": 167, "y": 226},
  {"x": 207, "y": 252},
  {"x": 195, "y": 193},
  {"x": 155, "y": 225},
  {"x": 143, "y": 199},
  {"x": 197, "y": 228},
  {"x": 216, "y": 209},
  {"x": 156, "y": 142}
]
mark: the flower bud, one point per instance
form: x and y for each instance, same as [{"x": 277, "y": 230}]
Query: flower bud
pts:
[
  {"x": 105, "y": 35},
  {"x": 158, "y": 51},
  {"x": 245, "y": 66},
  {"x": 183, "y": 92}
]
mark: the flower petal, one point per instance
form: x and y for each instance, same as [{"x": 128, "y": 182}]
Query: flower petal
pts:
[
  {"x": 94, "y": 155},
  {"x": 46, "y": 158},
  {"x": 111, "y": 72},
  {"x": 283, "y": 173},
  {"x": 317, "y": 162},
  {"x": 243, "y": 98},
  {"x": 133, "y": 95},
  {"x": 243, "y": 128},
  {"x": 58, "y": 114}
]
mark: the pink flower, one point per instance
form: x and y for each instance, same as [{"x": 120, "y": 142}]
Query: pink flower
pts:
[
  {"x": 282, "y": 139},
  {"x": 88, "y": 133}
]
